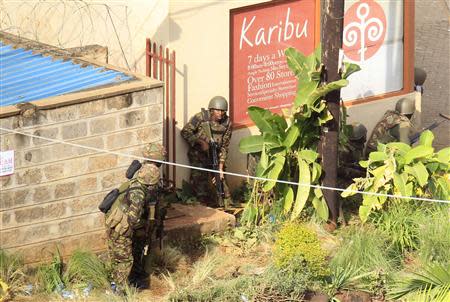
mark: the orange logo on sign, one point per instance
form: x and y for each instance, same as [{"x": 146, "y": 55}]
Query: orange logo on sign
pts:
[{"x": 364, "y": 30}]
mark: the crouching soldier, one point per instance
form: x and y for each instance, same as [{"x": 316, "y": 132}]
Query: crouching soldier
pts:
[
  {"x": 352, "y": 153},
  {"x": 394, "y": 126},
  {"x": 130, "y": 222}
]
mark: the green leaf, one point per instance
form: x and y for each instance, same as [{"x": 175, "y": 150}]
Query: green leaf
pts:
[
  {"x": 279, "y": 123},
  {"x": 348, "y": 190},
  {"x": 316, "y": 172},
  {"x": 325, "y": 89},
  {"x": 402, "y": 148},
  {"x": 303, "y": 189},
  {"x": 364, "y": 163},
  {"x": 296, "y": 62},
  {"x": 251, "y": 144},
  {"x": 275, "y": 168},
  {"x": 292, "y": 135},
  {"x": 377, "y": 156},
  {"x": 261, "y": 118},
  {"x": 443, "y": 156},
  {"x": 400, "y": 184},
  {"x": 303, "y": 92},
  {"x": 321, "y": 207},
  {"x": 418, "y": 152},
  {"x": 308, "y": 155},
  {"x": 350, "y": 68},
  {"x": 288, "y": 199},
  {"x": 271, "y": 141},
  {"x": 426, "y": 138},
  {"x": 421, "y": 173},
  {"x": 364, "y": 212},
  {"x": 432, "y": 167},
  {"x": 318, "y": 192},
  {"x": 443, "y": 187}
]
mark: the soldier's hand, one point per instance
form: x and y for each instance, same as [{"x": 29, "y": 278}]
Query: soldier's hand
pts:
[{"x": 204, "y": 146}]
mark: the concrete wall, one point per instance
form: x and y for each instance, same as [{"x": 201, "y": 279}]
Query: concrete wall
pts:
[{"x": 52, "y": 197}]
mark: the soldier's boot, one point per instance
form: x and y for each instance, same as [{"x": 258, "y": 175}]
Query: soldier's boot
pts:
[{"x": 141, "y": 283}]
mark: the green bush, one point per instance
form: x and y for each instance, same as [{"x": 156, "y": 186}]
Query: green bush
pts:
[
  {"x": 296, "y": 243},
  {"x": 430, "y": 283},
  {"x": 83, "y": 268}
]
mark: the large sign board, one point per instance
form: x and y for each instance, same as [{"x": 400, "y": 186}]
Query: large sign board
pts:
[
  {"x": 259, "y": 75},
  {"x": 373, "y": 38}
]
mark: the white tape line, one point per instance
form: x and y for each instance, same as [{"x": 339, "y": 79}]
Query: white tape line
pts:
[{"x": 224, "y": 172}]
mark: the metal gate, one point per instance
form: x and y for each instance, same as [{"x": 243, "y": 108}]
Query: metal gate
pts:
[{"x": 160, "y": 65}]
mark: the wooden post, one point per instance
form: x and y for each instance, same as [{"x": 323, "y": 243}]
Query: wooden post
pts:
[{"x": 333, "y": 17}]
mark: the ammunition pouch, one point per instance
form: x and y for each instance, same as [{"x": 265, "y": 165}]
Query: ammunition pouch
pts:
[
  {"x": 133, "y": 168},
  {"x": 108, "y": 201}
]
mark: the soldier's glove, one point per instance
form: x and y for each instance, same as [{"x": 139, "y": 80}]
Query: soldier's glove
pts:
[
  {"x": 204, "y": 146},
  {"x": 123, "y": 228}
]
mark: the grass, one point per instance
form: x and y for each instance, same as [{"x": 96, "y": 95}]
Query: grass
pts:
[
  {"x": 49, "y": 276},
  {"x": 401, "y": 223},
  {"x": 368, "y": 250},
  {"x": 12, "y": 276},
  {"x": 85, "y": 268},
  {"x": 433, "y": 236}
]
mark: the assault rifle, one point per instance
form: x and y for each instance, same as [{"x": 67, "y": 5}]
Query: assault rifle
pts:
[
  {"x": 214, "y": 157},
  {"x": 415, "y": 137},
  {"x": 214, "y": 162}
]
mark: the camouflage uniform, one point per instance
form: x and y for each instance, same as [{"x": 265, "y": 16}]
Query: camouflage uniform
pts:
[
  {"x": 127, "y": 238},
  {"x": 388, "y": 130},
  {"x": 200, "y": 181}
]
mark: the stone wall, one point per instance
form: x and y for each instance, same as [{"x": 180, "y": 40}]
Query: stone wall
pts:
[{"x": 52, "y": 197}]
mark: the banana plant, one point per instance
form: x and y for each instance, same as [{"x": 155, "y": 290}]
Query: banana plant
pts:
[
  {"x": 401, "y": 170},
  {"x": 288, "y": 142}
]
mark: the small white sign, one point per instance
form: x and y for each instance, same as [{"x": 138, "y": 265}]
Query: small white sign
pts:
[{"x": 6, "y": 162}]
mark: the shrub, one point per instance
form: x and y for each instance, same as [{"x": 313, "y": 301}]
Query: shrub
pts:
[
  {"x": 399, "y": 169},
  {"x": 83, "y": 268},
  {"x": 431, "y": 283},
  {"x": 296, "y": 243}
]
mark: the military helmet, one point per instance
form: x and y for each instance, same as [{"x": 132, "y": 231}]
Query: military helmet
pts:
[
  {"x": 219, "y": 103},
  {"x": 154, "y": 151},
  {"x": 148, "y": 174},
  {"x": 359, "y": 131},
  {"x": 405, "y": 106},
  {"x": 420, "y": 76}
]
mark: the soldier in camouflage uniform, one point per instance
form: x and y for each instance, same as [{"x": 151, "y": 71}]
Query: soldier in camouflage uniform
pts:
[
  {"x": 126, "y": 221},
  {"x": 394, "y": 126},
  {"x": 352, "y": 153},
  {"x": 197, "y": 135}
]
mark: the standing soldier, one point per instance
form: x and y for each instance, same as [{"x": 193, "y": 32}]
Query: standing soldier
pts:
[
  {"x": 394, "y": 126},
  {"x": 129, "y": 226},
  {"x": 205, "y": 127}
]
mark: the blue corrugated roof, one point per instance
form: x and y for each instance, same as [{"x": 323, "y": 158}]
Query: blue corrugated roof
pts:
[{"x": 26, "y": 76}]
